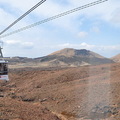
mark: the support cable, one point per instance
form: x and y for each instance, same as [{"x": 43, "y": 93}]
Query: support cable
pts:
[
  {"x": 21, "y": 17},
  {"x": 54, "y": 17}
]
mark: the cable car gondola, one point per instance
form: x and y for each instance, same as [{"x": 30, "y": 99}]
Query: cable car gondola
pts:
[{"x": 3, "y": 67}]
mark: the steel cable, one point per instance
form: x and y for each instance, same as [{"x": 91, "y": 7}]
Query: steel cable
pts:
[
  {"x": 21, "y": 17},
  {"x": 54, "y": 17}
]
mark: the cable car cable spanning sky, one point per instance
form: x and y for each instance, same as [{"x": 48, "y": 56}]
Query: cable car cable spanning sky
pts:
[
  {"x": 21, "y": 17},
  {"x": 54, "y": 17}
]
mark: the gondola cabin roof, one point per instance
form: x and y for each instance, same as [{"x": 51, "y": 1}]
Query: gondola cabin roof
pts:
[{"x": 2, "y": 61}]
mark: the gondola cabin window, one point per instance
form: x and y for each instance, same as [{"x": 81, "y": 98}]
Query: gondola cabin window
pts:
[{"x": 3, "y": 70}]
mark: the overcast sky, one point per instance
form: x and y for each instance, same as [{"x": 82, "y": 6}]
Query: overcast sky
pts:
[{"x": 96, "y": 28}]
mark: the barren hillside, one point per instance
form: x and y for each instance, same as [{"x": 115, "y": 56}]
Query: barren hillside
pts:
[
  {"x": 69, "y": 57},
  {"x": 89, "y": 92},
  {"x": 116, "y": 58}
]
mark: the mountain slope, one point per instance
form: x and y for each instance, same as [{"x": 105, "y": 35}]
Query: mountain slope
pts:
[
  {"x": 72, "y": 58},
  {"x": 116, "y": 58}
]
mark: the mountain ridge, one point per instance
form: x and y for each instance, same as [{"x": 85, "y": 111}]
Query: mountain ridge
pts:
[
  {"x": 75, "y": 52},
  {"x": 73, "y": 58},
  {"x": 67, "y": 57}
]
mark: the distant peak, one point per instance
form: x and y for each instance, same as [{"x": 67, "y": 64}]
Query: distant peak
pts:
[
  {"x": 70, "y": 52},
  {"x": 64, "y": 52},
  {"x": 68, "y": 49}
]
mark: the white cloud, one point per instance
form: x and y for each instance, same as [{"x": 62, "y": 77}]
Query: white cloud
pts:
[
  {"x": 106, "y": 11},
  {"x": 18, "y": 43},
  {"x": 5, "y": 19},
  {"x": 27, "y": 45},
  {"x": 82, "y": 34},
  {"x": 111, "y": 48},
  {"x": 116, "y": 17},
  {"x": 12, "y": 42},
  {"x": 95, "y": 29},
  {"x": 77, "y": 46}
]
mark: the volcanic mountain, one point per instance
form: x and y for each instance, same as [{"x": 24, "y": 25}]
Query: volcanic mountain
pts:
[
  {"x": 69, "y": 57},
  {"x": 116, "y": 58}
]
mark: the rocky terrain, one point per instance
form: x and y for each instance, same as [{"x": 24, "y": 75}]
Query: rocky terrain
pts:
[
  {"x": 67, "y": 57},
  {"x": 11, "y": 109},
  {"x": 77, "y": 93}
]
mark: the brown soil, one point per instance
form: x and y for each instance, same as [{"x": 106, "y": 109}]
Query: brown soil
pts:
[
  {"x": 81, "y": 93},
  {"x": 16, "y": 110}
]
